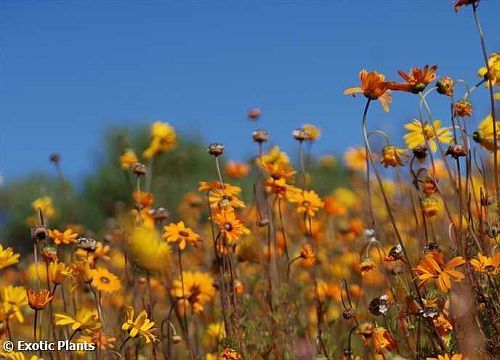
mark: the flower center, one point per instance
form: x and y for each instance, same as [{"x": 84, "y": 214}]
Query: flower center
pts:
[
  {"x": 183, "y": 233},
  {"x": 105, "y": 280}
]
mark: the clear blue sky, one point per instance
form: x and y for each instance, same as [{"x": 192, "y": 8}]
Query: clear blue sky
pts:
[{"x": 70, "y": 69}]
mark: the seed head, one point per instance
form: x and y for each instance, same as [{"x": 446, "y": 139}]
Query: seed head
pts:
[
  {"x": 215, "y": 149},
  {"x": 260, "y": 136},
  {"x": 139, "y": 169}
]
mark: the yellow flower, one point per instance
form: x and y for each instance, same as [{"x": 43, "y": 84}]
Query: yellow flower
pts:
[
  {"x": 430, "y": 205},
  {"x": 101, "y": 340},
  {"x": 419, "y": 134},
  {"x": 432, "y": 266},
  {"x": 494, "y": 75},
  {"x": 215, "y": 333},
  {"x": 181, "y": 234},
  {"x": 276, "y": 164},
  {"x": 308, "y": 201},
  {"x": 163, "y": 139},
  {"x": 14, "y": 298},
  {"x": 485, "y": 264},
  {"x": 230, "y": 226},
  {"x": 45, "y": 204},
  {"x": 82, "y": 272},
  {"x": 141, "y": 325},
  {"x": 85, "y": 320},
  {"x": 484, "y": 133},
  {"x": 447, "y": 357},
  {"x": 355, "y": 158},
  {"x": 373, "y": 86},
  {"x": 313, "y": 132},
  {"x": 128, "y": 159},
  {"x": 17, "y": 355},
  {"x": 392, "y": 156},
  {"x": 105, "y": 281},
  {"x": 147, "y": 249},
  {"x": 66, "y": 237},
  {"x": 7, "y": 257},
  {"x": 198, "y": 289},
  {"x": 58, "y": 272}
]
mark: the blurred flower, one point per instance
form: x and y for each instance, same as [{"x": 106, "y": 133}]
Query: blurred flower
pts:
[
  {"x": 308, "y": 202},
  {"x": 39, "y": 300},
  {"x": 416, "y": 80},
  {"x": 430, "y": 205},
  {"x": 105, "y": 281},
  {"x": 128, "y": 159},
  {"x": 181, "y": 234},
  {"x": 334, "y": 207},
  {"x": 7, "y": 257},
  {"x": 85, "y": 320},
  {"x": 141, "y": 325},
  {"x": 419, "y": 134},
  {"x": 46, "y": 205},
  {"x": 146, "y": 248},
  {"x": 67, "y": 237},
  {"x": 254, "y": 114},
  {"x": 494, "y": 75},
  {"x": 484, "y": 134},
  {"x": 163, "y": 139},
  {"x": 442, "y": 324},
  {"x": 373, "y": 87},
  {"x": 14, "y": 298},
  {"x": 237, "y": 170},
  {"x": 307, "y": 255},
  {"x": 446, "y": 356},
  {"x": 382, "y": 340},
  {"x": 276, "y": 164},
  {"x": 58, "y": 272},
  {"x": 196, "y": 288},
  {"x": 392, "y": 156},
  {"x": 230, "y": 354},
  {"x": 17, "y": 355},
  {"x": 432, "y": 266},
  {"x": 355, "y": 158},
  {"x": 313, "y": 132}
]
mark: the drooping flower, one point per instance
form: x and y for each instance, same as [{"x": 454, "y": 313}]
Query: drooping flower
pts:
[
  {"x": 494, "y": 74},
  {"x": 39, "y": 300},
  {"x": 484, "y": 133},
  {"x": 139, "y": 326},
  {"x": 86, "y": 320},
  {"x": 392, "y": 156},
  {"x": 432, "y": 266},
  {"x": 308, "y": 202},
  {"x": 58, "y": 272},
  {"x": 105, "y": 281},
  {"x": 66, "y": 237},
  {"x": 416, "y": 80},
  {"x": 7, "y": 257},
  {"x": 307, "y": 255},
  {"x": 195, "y": 288},
  {"x": 419, "y": 134},
  {"x": 445, "y": 86},
  {"x": 366, "y": 265},
  {"x": 373, "y": 87},
  {"x": 181, "y": 234}
]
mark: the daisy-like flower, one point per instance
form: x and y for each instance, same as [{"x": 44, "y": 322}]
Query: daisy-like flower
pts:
[
  {"x": 230, "y": 226},
  {"x": 46, "y": 205},
  {"x": 105, "y": 281},
  {"x": 139, "y": 326},
  {"x": 230, "y": 354},
  {"x": 485, "y": 264},
  {"x": 237, "y": 169},
  {"x": 128, "y": 159},
  {"x": 442, "y": 324},
  {"x": 224, "y": 199},
  {"x": 494, "y": 74},
  {"x": 58, "y": 272},
  {"x": 86, "y": 320},
  {"x": 416, "y": 80},
  {"x": 14, "y": 299},
  {"x": 181, "y": 234},
  {"x": 276, "y": 164},
  {"x": 144, "y": 199},
  {"x": 484, "y": 135},
  {"x": 198, "y": 289},
  {"x": 382, "y": 340},
  {"x": 278, "y": 187},
  {"x": 432, "y": 266},
  {"x": 392, "y": 156},
  {"x": 373, "y": 86},
  {"x": 418, "y": 134},
  {"x": 307, "y": 255},
  {"x": 445, "y": 86},
  {"x": 39, "y": 300},
  {"x": 7, "y": 257},
  {"x": 308, "y": 202},
  {"x": 163, "y": 139},
  {"x": 67, "y": 237}
]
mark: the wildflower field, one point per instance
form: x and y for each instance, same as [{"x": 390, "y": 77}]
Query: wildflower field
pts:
[{"x": 387, "y": 252}]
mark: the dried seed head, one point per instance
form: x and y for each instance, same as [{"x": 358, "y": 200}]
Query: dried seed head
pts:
[
  {"x": 254, "y": 114},
  {"x": 260, "y": 136},
  {"x": 462, "y": 108},
  {"x": 348, "y": 314},
  {"x": 456, "y": 151},
  {"x": 87, "y": 244},
  {"x": 39, "y": 233},
  {"x": 49, "y": 254},
  {"x": 139, "y": 169},
  {"x": 395, "y": 253},
  {"x": 215, "y": 149},
  {"x": 55, "y": 158},
  {"x": 429, "y": 312},
  {"x": 379, "y": 306},
  {"x": 300, "y": 134},
  {"x": 159, "y": 214},
  {"x": 420, "y": 152}
]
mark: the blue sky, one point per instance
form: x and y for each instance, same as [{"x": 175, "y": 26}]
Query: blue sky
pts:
[{"x": 68, "y": 70}]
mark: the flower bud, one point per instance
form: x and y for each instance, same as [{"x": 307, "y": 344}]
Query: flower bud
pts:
[
  {"x": 49, "y": 254},
  {"x": 254, "y": 114},
  {"x": 215, "y": 149},
  {"x": 300, "y": 134},
  {"x": 260, "y": 136}
]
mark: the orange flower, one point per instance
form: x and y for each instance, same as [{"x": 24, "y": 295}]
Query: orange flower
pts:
[
  {"x": 366, "y": 265},
  {"x": 181, "y": 234},
  {"x": 307, "y": 255},
  {"x": 432, "y": 266},
  {"x": 442, "y": 324},
  {"x": 66, "y": 237},
  {"x": 146, "y": 199},
  {"x": 237, "y": 170},
  {"x": 460, "y": 3},
  {"x": 278, "y": 187},
  {"x": 230, "y": 226},
  {"x": 38, "y": 301},
  {"x": 308, "y": 201},
  {"x": 333, "y": 207},
  {"x": 416, "y": 80},
  {"x": 373, "y": 86},
  {"x": 382, "y": 340}
]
